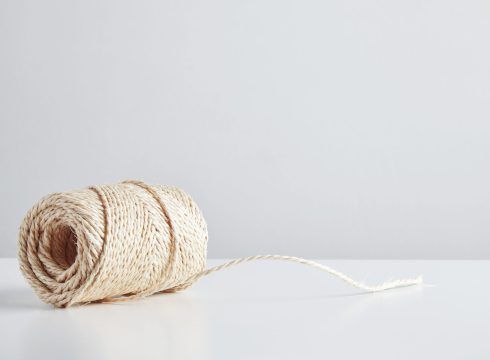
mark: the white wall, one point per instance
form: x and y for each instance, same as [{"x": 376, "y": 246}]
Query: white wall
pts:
[{"x": 341, "y": 128}]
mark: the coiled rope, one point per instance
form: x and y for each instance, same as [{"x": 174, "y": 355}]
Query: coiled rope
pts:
[{"x": 118, "y": 242}]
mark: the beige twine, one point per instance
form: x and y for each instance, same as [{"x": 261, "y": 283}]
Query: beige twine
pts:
[{"x": 117, "y": 242}]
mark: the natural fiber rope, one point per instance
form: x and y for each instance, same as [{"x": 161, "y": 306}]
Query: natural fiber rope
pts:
[{"x": 118, "y": 242}]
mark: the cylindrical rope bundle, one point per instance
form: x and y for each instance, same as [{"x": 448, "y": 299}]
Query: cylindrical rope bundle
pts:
[{"x": 117, "y": 242}]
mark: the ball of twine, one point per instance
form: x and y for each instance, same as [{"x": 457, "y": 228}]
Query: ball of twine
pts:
[
  {"x": 111, "y": 241},
  {"x": 118, "y": 242}
]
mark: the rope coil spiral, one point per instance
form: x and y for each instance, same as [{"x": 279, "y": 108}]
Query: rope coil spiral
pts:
[{"x": 118, "y": 242}]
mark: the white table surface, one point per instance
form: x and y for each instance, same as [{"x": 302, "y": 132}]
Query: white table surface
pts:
[{"x": 265, "y": 310}]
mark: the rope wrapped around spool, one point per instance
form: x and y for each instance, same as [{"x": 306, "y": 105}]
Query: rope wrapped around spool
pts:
[{"x": 118, "y": 242}]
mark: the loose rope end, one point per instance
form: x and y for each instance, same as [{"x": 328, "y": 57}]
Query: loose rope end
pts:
[
  {"x": 369, "y": 288},
  {"x": 395, "y": 284}
]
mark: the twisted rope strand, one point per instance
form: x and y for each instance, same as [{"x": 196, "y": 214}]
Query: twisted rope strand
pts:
[{"x": 357, "y": 284}]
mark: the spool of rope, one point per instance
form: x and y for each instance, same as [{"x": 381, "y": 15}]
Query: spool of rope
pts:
[{"x": 118, "y": 242}]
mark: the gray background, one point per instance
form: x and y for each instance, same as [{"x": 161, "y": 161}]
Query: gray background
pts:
[{"x": 325, "y": 129}]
